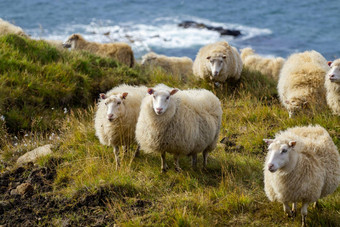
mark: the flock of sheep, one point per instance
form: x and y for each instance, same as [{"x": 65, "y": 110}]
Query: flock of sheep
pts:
[{"x": 302, "y": 164}]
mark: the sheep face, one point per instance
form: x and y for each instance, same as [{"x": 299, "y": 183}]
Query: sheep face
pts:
[
  {"x": 147, "y": 59},
  {"x": 216, "y": 64},
  {"x": 334, "y": 73},
  {"x": 115, "y": 105},
  {"x": 161, "y": 99},
  {"x": 278, "y": 154},
  {"x": 71, "y": 42}
]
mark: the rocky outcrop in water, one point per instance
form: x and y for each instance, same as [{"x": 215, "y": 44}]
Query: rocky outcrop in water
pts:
[{"x": 221, "y": 30}]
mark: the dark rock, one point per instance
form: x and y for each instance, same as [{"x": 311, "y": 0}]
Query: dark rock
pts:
[{"x": 221, "y": 30}]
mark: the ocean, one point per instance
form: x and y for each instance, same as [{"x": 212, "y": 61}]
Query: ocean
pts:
[{"x": 271, "y": 27}]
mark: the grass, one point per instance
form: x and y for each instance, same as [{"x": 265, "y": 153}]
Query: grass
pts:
[{"x": 228, "y": 193}]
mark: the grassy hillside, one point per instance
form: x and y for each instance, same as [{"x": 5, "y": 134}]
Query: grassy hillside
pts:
[{"x": 78, "y": 183}]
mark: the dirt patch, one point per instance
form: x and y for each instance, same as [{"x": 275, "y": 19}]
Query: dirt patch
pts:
[{"x": 40, "y": 206}]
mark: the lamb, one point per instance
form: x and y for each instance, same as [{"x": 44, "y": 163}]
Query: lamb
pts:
[
  {"x": 8, "y": 28},
  {"x": 302, "y": 165},
  {"x": 121, "y": 52},
  {"x": 218, "y": 62},
  {"x": 173, "y": 65},
  {"x": 183, "y": 124},
  {"x": 267, "y": 66},
  {"x": 332, "y": 84},
  {"x": 300, "y": 80},
  {"x": 116, "y": 117}
]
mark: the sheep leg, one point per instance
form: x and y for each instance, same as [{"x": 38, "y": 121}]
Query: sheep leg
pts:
[
  {"x": 177, "y": 167},
  {"x": 304, "y": 213},
  {"x": 116, "y": 152},
  {"x": 294, "y": 210},
  {"x": 164, "y": 166},
  {"x": 315, "y": 205},
  {"x": 194, "y": 160},
  {"x": 137, "y": 151},
  {"x": 205, "y": 158},
  {"x": 287, "y": 210}
]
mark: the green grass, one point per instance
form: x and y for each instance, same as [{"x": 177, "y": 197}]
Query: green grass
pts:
[{"x": 229, "y": 192}]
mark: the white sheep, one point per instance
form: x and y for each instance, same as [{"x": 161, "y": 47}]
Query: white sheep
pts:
[
  {"x": 301, "y": 81},
  {"x": 173, "y": 65},
  {"x": 218, "y": 62},
  {"x": 302, "y": 165},
  {"x": 179, "y": 122},
  {"x": 332, "y": 84},
  {"x": 116, "y": 117},
  {"x": 120, "y": 52},
  {"x": 267, "y": 66},
  {"x": 8, "y": 28}
]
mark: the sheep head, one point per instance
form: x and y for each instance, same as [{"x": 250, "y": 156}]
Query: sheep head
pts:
[{"x": 115, "y": 105}]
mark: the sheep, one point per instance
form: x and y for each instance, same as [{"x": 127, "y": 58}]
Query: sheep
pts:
[
  {"x": 172, "y": 65},
  {"x": 121, "y": 52},
  {"x": 218, "y": 62},
  {"x": 183, "y": 124},
  {"x": 8, "y": 28},
  {"x": 267, "y": 66},
  {"x": 116, "y": 117},
  {"x": 332, "y": 85},
  {"x": 302, "y": 165},
  {"x": 300, "y": 81}
]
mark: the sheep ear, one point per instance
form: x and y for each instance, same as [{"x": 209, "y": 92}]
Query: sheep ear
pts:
[
  {"x": 329, "y": 63},
  {"x": 150, "y": 91},
  {"x": 102, "y": 96},
  {"x": 268, "y": 141},
  {"x": 174, "y": 91},
  {"x": 292, "y": 143},
  {"x": 208, "y": 57},
  {"x": 124, "y": 95},
  {"x": 224, "y": 56}
]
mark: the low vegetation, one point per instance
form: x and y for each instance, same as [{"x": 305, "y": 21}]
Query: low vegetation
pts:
[{"x": 78, "y": 184}]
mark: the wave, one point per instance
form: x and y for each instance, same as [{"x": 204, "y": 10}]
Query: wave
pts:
[{"x": 161, "y": 33}]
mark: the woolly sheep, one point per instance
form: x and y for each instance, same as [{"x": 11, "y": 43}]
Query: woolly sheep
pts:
[
  {"x": 301, "y": 80},
  {"x": 267, "y": 66},
  {"x": 8, "y": 28},
  {"x": 121, "y": 52},
  {"x": 116, "y": 117},
  {"x": 172, "y": 65},
  {"x": 302, "y": 165},
  {"x": 218, "y": 62},
  {"x": 183, "y": 124},
  {"x": 332, "y": 84}
]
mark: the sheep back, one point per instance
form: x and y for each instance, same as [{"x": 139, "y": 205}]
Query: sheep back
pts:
[
  {"x": 8, "y": 28},
  {"x": 300, "y": 79}
]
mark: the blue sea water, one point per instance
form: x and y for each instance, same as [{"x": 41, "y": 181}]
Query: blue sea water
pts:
[{"x": 271, "y": 27}]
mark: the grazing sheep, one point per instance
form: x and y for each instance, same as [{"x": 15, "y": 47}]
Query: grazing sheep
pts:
[
  {"x": 301, "y": 80},
  {"x": 267, "y": 66},
  {"x": 302, "y": 165},
  {"x": 183, "y": 124},
  {"x": 172, "y": 65},
  {"x": 116, "y": 117},
  {"x": 332, "y": 84},
  {"x": 218, "y": 62},
  {"x": 8, "y": 28},
  {"x": 121, "y": 52}
]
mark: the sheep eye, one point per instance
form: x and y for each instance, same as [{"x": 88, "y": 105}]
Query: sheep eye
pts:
[
  {"x": 167, "y": 97},
  {"x": 106, "y": 103},
  {"x": 154, "y": 97},
  {"x": 119, "y": 103},
  {"x": 284, "y": 150}
]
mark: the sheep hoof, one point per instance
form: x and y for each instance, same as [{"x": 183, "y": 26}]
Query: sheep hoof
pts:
[{"x": 291, "y": 214}]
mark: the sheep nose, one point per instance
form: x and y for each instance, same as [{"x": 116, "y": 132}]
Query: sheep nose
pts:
[
  {"x": 159, "y": 109},
  {"x": 109, "y": 116},
  {"x": 270, "y": 166},
  {"x": 331, "y": 76},
  {"x": 215, "y": 73}
]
